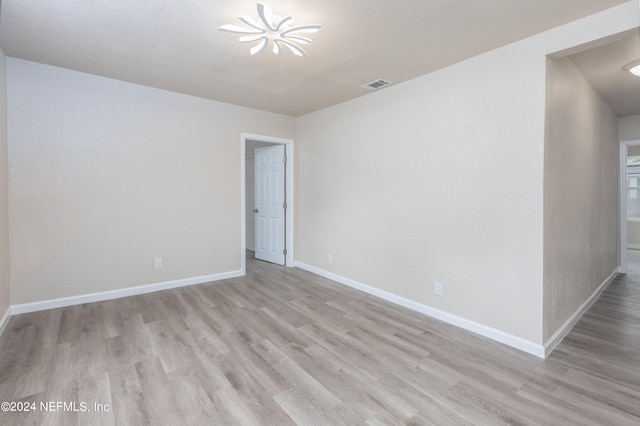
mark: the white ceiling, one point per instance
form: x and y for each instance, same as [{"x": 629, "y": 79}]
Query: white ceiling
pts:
[{"x": 175, "y": 44}]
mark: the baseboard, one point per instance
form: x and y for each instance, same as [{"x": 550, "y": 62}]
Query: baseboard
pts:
[
  {"x": 483, "y": 330},
  {"x": 5, "y": 320},
  {"x": 116, "y": 294},
  {"x": 565, "y": 328}
]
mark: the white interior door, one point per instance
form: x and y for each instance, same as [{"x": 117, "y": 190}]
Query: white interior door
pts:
[
  {"x": 270, "y": 204},
  {"x": 249, "y": 200}
]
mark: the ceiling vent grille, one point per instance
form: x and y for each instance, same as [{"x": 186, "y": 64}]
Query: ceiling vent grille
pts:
[{"x": 376, "y": 84}]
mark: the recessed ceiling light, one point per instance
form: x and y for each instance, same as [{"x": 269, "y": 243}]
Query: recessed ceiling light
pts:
[
  {"x": 274, "y": 28},
  {"x": 633, "y": 68}
]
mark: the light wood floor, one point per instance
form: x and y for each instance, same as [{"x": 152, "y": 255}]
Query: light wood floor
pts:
[{"x": 282, "y": 346}]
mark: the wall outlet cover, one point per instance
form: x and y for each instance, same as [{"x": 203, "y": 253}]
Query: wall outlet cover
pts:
[{"x": 437, "y": 288}]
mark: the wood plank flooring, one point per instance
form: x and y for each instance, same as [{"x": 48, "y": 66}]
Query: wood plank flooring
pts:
[{"x": 283, "y": 346}]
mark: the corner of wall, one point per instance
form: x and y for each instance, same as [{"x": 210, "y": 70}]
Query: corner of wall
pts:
[{"x": 4, "y": 198}]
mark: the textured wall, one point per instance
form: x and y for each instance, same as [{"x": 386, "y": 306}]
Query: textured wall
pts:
[
  {"x": 108, "y": 175},
  {"x": 581, "y": 193}
]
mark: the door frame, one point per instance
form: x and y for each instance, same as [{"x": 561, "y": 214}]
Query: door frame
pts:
[
  {"x": 624, "y": 145},
  {"x": 289, "y": 152}
]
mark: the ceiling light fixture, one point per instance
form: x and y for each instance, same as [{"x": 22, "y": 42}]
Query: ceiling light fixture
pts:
[
  {"x": 274, "y": 28},
  {"x": 633, "y": 68}
]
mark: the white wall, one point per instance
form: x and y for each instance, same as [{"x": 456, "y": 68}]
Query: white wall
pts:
[
  {"x": 441, "y": 179},
  {"x": 581, "y": 193},
  {"x": 106, "y": 176},
  {"x": 4, "y": 195},
  {"x": 629, "y": 128},
  {"x": 432, "y": 180}
]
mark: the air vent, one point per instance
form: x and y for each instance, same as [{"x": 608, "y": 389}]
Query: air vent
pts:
[{"x": 376, "y": 84}]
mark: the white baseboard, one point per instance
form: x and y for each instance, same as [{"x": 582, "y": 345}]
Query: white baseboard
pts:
[
  {"x": 5, "y": 320},
  {"x": 483, "y": 330},
  {"x": 565, "y": 328},
  {"x": 116, "y": 294},
  {"x": 538, "y": 350}
]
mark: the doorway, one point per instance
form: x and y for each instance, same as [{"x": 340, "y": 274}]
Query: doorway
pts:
[
  {"x": 630, "y": 207},
  {"x": 248, "y": 143}
]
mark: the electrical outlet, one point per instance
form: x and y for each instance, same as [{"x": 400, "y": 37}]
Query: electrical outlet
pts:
[
  {"x": 330, "y": 259},
  {"x": 437, "y": 289},
  {"x": 157, "y": 263}
]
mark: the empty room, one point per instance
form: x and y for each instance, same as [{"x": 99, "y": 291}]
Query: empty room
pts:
[{"x": 319, "y": 212}]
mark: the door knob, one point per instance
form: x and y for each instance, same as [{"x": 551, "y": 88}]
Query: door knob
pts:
[{"x": 255, "y": 210}]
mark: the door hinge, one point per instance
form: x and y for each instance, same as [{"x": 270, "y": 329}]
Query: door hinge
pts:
[
  {"x": 284, "y": 206},
  {"x": 284, "y": 158},
  {"x": 284, "y": 251}
]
